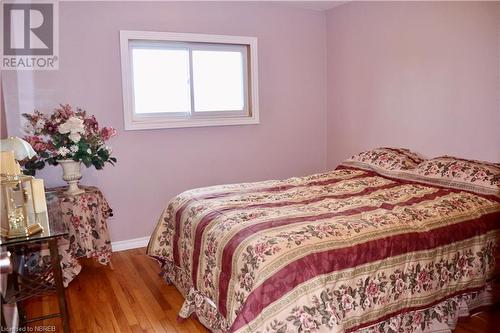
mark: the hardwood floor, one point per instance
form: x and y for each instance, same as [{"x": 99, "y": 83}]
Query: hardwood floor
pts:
[{"x": 133, "y": 298}]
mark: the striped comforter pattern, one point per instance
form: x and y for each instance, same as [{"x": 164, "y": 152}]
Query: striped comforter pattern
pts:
[{"x": 337, "y": 252}]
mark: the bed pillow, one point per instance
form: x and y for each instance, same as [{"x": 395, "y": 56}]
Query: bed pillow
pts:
[
  {"x": 385, "y": 159},
  {"x": 477, "y": 176}
]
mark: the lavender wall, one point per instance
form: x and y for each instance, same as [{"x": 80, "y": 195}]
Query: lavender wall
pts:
[
  {"x": 420, "y": 75},
  {"x": 3, "y": 122},
  {"x": 155, "y": 165},
  {"x": 423, "y": 75}
]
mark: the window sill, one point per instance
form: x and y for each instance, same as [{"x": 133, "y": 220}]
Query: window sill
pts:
[{"x": 144, "y": 124}]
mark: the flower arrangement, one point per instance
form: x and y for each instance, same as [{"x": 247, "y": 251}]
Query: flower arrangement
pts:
[{"x": 67, "y": 133}]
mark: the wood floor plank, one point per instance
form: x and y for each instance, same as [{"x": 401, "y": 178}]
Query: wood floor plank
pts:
[
  {"x": 78, "y": 308},
  {"x": 136, "y": 329},
  {"x": 140, "y": 263},
  {"x": 133, "y": 298},
  {"x": 143, "y": 295},
  {"x": 111, "y": 304},
  {"x": 122, "y": 297},
  {"x": 125, "y": 282},
  {"x": 164, "y": 291},
  {"x": 76, "y": 320},
  {"x": 97, "y": 300}
]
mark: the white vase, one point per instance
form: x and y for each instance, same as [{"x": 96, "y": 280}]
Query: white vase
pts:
[{"x": 71, "y": 174}]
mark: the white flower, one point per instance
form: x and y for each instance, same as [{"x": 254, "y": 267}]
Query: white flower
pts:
[
  {"x": 63, "y": 128},
  {"x": 40, "y": 124},
  {"x": 63, "y": 151},
  {"x": 75, "y": 137},
  {"x": 89, "y": 151},
  {"x": 29, "y": 129},
  {"x": 73, "y": 148},
  {"x": 72, "y": 125},
  {"x": 108, "y": 149}
]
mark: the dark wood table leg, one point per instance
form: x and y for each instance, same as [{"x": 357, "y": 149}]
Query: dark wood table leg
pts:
[
  {"x": 56, "y": 266},
  {"x": 3, "y": 325},
  {"x": 13, "y": 280}
]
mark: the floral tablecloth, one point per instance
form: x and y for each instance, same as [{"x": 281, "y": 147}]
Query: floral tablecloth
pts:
[{"x": 84, "y": 216}]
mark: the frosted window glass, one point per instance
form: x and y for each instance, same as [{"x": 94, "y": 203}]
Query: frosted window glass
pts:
[
  {"x": 218, "y": 81},
  {"x": 161, "y": 80}
]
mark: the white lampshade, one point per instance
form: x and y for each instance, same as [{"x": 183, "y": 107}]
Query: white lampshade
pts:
[{"x": 21, "y": 148}]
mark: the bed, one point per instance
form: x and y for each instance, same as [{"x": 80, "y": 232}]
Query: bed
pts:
[{"x": 358, "y": 249}]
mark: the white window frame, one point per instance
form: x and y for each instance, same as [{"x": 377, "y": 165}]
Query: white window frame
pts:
[{"x": 134, "y": 121}]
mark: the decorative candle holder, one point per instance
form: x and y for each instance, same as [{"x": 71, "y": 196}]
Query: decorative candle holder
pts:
[
  {"x": 20, "y": 206},
  {"x": 23, "y": 197}
]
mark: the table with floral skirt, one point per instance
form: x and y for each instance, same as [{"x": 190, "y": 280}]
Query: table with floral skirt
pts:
[{"x": 84, "y": 215}]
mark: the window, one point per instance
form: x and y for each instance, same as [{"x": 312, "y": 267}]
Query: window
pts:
[{"x": 188, "y": 80}]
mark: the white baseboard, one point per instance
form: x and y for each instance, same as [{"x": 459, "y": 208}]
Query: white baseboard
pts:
[{"x": 130, "y": 244}]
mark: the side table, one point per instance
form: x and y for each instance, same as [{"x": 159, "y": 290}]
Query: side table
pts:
[
  {"x": 85, "y": 217},
  {"x": 23, "y": 284}
]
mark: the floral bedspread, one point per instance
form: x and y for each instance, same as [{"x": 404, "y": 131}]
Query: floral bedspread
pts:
[
  {"x": 342, "y": 251},
  {"x": 85, "y": 217}
]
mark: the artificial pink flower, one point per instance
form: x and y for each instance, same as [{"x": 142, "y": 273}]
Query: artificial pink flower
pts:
[
  {"x": 37, "y": 143},
  {"x": 107, "y": 133}
]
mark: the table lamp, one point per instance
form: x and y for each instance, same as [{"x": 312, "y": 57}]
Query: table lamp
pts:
[
  {"x": 23, "y": 197},
  {"x": 18, "y": 146}
]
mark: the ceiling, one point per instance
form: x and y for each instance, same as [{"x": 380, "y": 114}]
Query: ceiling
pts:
[{"x": 315, "y": 5}]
